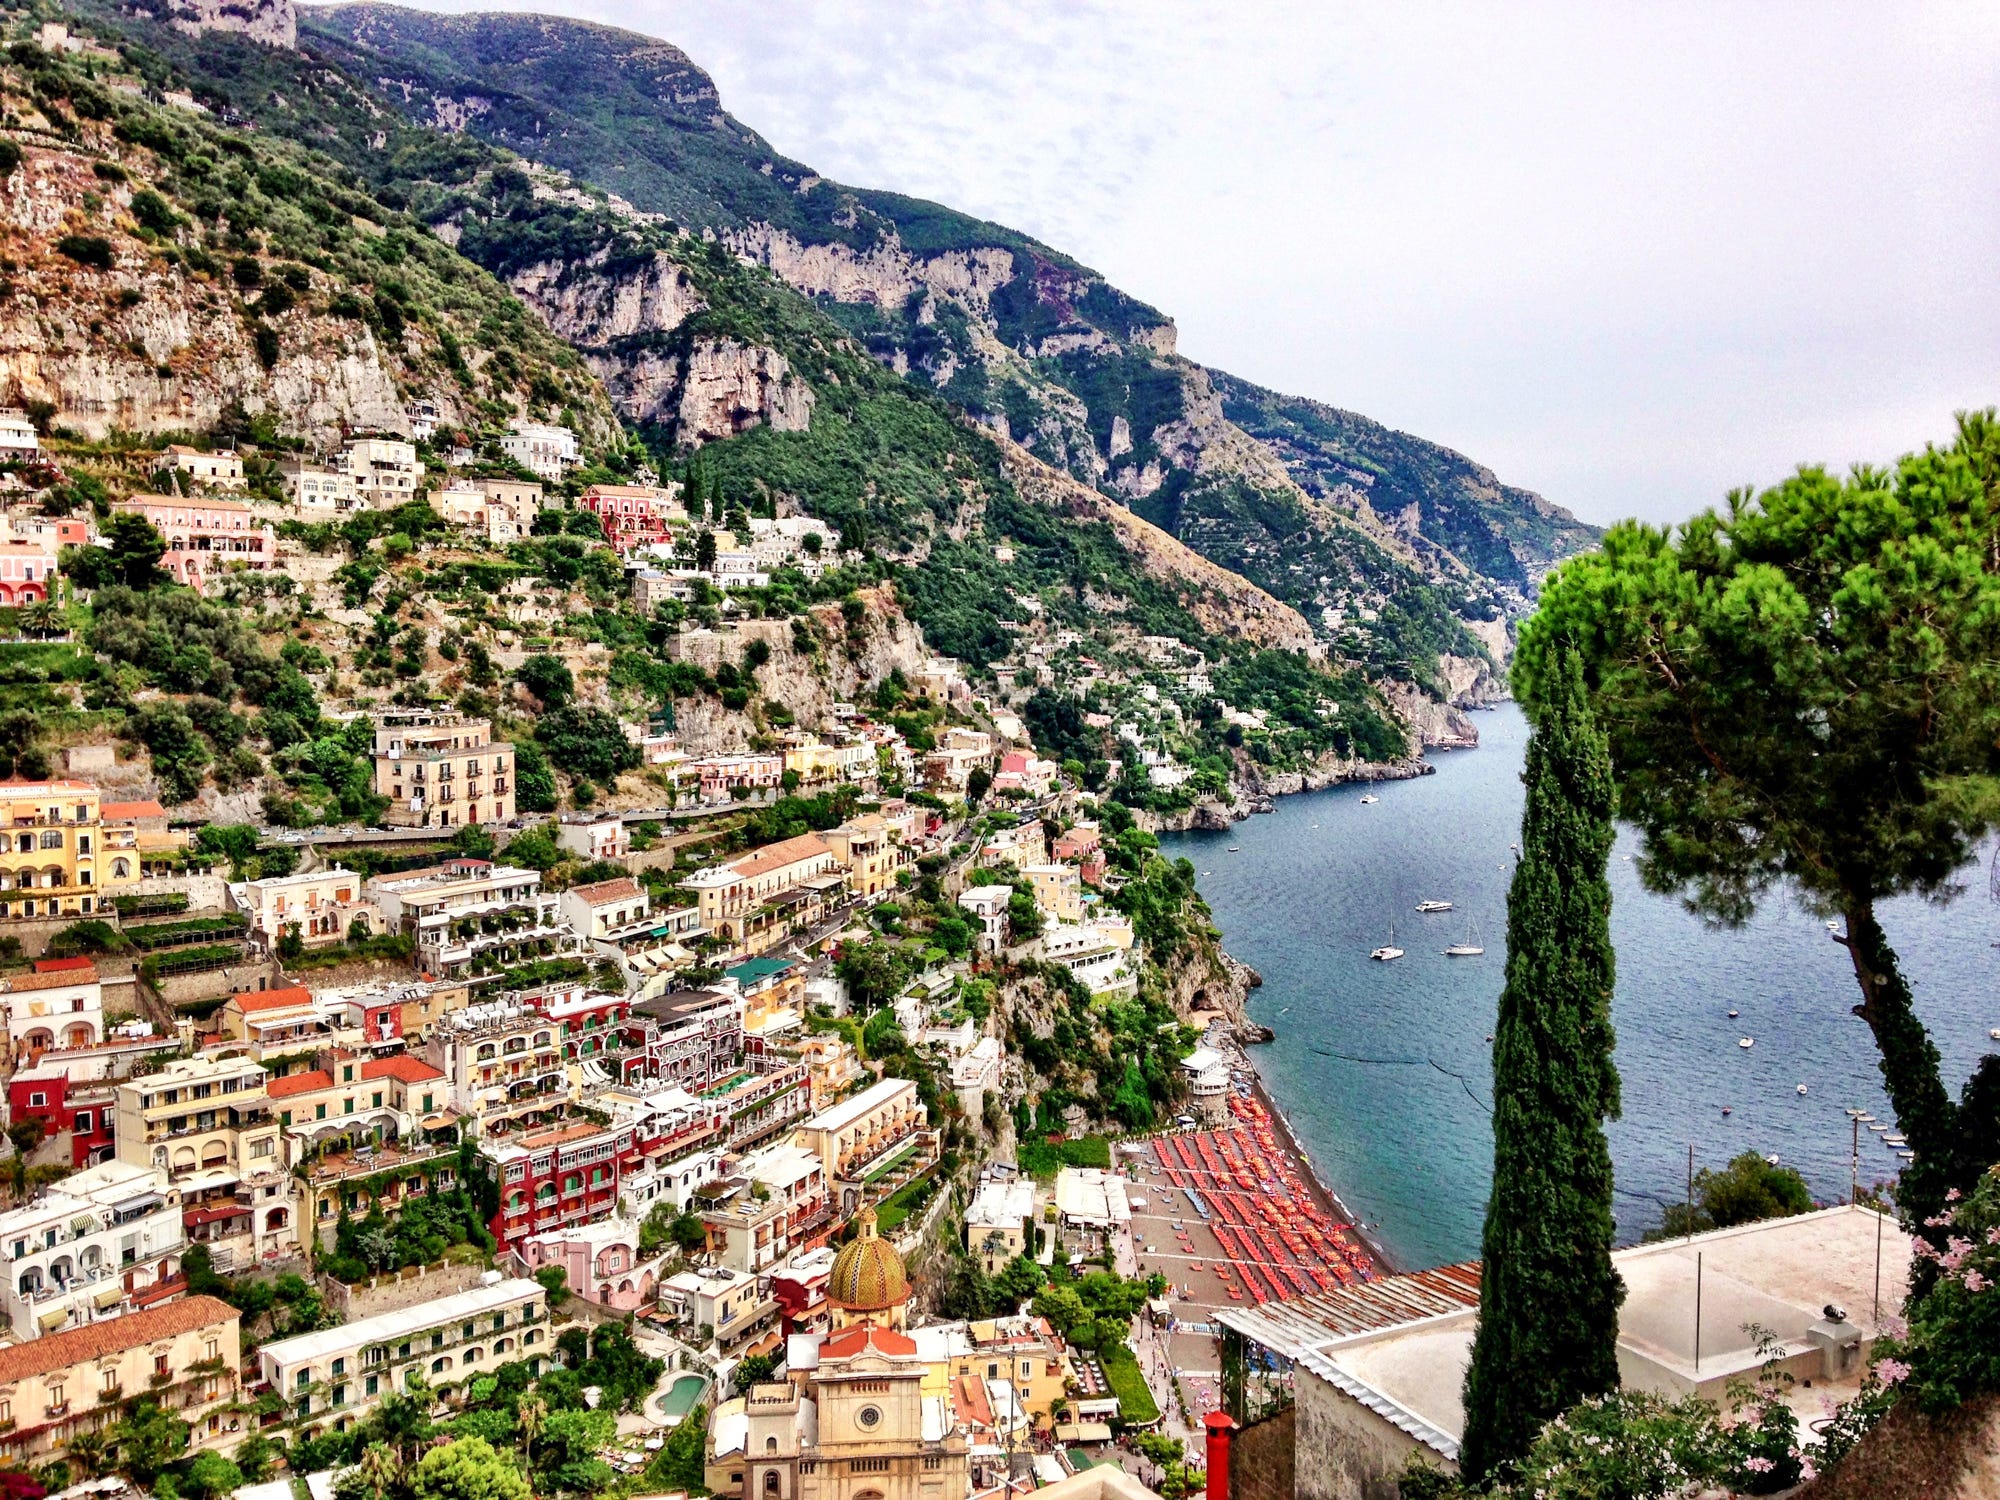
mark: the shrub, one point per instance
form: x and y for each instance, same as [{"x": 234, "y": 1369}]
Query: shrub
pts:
[{"x": 89, "y": 250}]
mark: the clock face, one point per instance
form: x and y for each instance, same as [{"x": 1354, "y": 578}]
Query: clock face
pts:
[{"x": 868, "y": 1416}]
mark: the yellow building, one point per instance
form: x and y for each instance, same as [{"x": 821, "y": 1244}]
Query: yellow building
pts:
[
  {"x": 201, "y": 1113},
  {"x": 58, "y": 857},
  {"x": 184, "y": 1356},
  {"x": 859, "y": 1140},
  {"x": 869, "y": 849},
  {"x": 1028, "y": 1354},
  {"x": 439, "y": 771}
]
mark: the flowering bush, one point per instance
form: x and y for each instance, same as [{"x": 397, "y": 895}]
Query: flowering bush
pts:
[{"x": 1952, "y": 1352}]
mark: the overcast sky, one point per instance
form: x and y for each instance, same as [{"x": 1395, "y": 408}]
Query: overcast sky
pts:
[{"x": 1627, "y": 256}]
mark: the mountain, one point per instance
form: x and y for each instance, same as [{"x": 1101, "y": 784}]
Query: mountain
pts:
[{"x": 1332, "y": 513}]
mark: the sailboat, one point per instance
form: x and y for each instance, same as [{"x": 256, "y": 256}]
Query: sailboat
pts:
[
  {"x": 1466, "y": 947},
  {"x": 1388, "y": 952}
]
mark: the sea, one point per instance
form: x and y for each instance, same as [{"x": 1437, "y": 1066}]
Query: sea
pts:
[{"x": 1384, "y": 1069}]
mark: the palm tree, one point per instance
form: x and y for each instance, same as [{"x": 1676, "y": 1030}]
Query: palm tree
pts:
[
  {"x": 529, "y": 1414},
  {"x": 39, "y": 618},
  {"x": 379, "y": 1469},
  {"x": 87, "y": 1450}
]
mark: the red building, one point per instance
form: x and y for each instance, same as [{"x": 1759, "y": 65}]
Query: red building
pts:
[
  {"x": 45, "y": 1093},
  {"x": 633, "y": 515}
]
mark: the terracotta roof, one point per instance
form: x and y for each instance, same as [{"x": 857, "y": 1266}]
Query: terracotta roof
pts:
[
  {"x": 116, "y": 810},
  {"x": 561, "y": 1137},
  {"x": 409, "y": 1069},
  {"x": 298, "y": 1083},
  {"x": 606, "y": 891},
  {"x": 866, "y": 1336},
  {"x": 63, "y": 965},
  {"x": 777, "y": 856},
  {"x": 59, "y": 1351},
  {"x": 61, "y": 979},
  {"x": 251, "y": 1001}
]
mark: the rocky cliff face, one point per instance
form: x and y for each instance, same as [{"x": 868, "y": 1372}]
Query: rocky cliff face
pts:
[{"x": 272, "y": 22}]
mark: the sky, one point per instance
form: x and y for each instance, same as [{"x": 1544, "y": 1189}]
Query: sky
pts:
[{"x": 1629, "y": 256}]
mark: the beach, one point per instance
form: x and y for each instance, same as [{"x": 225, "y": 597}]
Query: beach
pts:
[{"x": 1233, "y": 1215}]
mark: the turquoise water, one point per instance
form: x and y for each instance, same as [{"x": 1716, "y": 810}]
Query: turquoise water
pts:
[{"x": 1383, "y": 1068}]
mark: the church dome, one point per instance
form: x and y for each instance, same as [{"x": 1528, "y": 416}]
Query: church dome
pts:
[{"x": 867, "y": 1274}]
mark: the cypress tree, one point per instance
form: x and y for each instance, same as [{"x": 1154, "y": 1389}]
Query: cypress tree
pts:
[{"x": 1549, "y": 1296}]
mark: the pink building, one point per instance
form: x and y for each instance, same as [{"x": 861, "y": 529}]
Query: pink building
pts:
[
  {"x": 25, "y": 571},
  {"x": 722, "y": 774},
  {"x": 601, "y": 1261},
  {"x": 633, "y": 515},
  {"x": 206, "y": 536}
]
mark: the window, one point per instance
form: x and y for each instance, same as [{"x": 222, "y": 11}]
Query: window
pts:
[
  {"x": 427, "y": 1103},
  {"x": 339, "y": 1396},
  {"x": 340, "y": 1366},
  {"x": 378, "y": 1099},
  {"x": 371, "y": 1384},
  {"x": 83, "y": 1119},
  {"x": 321, "y": 1114},
  {"x": 161, "y": 1365},
  {"x": 261, "y": 1147},
  {"x": 38, "y": 1101},
  {"x": 304, "y": 1379}
]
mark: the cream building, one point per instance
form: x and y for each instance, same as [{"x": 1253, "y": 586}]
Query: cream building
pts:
[
  {"x": 438, "y": 771},
  {"x": 860, "y": 1137},
  {"x": 869, "y": 849},
  {"x": 1058, "y": 891},
  {"x": 207, "y": 1123},
  {"x": 317, "y": 493},
  {"x": 321, "y": 904},
  {"x": 202, "y": 468},
  {"x": 759, "y": 899},
  {"x": 184, "y": 1356},
  {"x": 386, "y": 471},
  {"x": 339, "y": 1374}
]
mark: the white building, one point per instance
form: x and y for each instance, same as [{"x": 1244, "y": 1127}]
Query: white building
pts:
[
  {"x": 988, "y": 903},
  {"x": 1208, "y": 1082},
  {"x": 318, "y": 493},
  {"x": 1091, "y": 1198},
  {"x": 466, "y": 504},
  {"x": 385, "y": 471},
  {"x": 593, "y": 837},
  {"x": 1000, "y": 1220},
  {"x": 541, "y": 447},
  {"x": 17, "y": 433},
  {"x": 60, "y": 1003},
  {"x": 90, "y": 1248},
  {"x": 202, "y": 468}
]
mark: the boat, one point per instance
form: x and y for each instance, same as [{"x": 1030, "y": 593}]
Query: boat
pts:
[
  {"x": 1726, "y": 1111},
  {"x": 1893, "y": 1140},
  {"x": 1463, "y": 950},
  {"x": 1994, "y": 1034},
  {"x": 1878, "y": 1127},
  {"x": 1733, "y": 1015},
  {"x": 1388, "y": 952},
  {"x": 1772, "y": 1158},
  {"x": 1235, "y": 848},
  {"x": 1746, "y": 1043},
  {"x": 1370, "y": 797},
  {"x": 1802, "y": 1088},
  {"x": 1430, "y": 907}
]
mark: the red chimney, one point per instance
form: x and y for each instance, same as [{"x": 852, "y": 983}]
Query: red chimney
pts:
[{"x": 1220, "y": 1425}]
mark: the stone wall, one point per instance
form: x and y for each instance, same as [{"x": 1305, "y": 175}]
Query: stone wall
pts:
[
  {"x": 405, "y": 1288},
  {"x": 1344, "y": 1451},
  {"x": 1260, "y": 1458}
]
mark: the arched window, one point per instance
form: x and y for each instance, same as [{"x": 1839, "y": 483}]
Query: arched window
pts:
[
  {"x": 487, "y": 1052},
  {"x": 771, "y": 1446}
]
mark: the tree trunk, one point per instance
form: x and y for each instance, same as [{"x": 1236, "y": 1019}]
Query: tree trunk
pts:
[{"x": 1911, "y": 1069}]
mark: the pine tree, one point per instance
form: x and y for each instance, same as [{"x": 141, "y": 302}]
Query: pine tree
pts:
[{"x": 1549, "y": 1296}]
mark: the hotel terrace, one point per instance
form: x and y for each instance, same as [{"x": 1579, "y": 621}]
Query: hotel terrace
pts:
[
  {"x": 860, "y": 1141},
  {"x": 471, "y": 915}
]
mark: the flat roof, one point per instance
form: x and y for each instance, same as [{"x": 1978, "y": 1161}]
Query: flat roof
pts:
[
  {"x": 386, "y": 1327},
  {"x": 1400, "y": 1345}
]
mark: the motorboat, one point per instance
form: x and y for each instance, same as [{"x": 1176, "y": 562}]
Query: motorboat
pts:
[
  {"x": 1727, "y": 1111},
  {"x": 1369, "y": 799},
  {"x": 1746, "y": 1043},
  {"x": 1429, "y": 908},
  {"x": 1994, "y": 1034},
  {"x": 1733, "y": 1014},
  {"x": 1802, "y": 1088}
]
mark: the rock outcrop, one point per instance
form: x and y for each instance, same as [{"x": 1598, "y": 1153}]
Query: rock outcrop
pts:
[
  {"x": 727, "y": 388},
  {"x": 272, "y": 22}
]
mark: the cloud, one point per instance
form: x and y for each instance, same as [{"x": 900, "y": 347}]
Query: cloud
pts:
[{"x": 1628, "y": 256}]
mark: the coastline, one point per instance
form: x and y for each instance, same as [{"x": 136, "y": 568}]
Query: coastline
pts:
[{"x": 1329, "y": 1200}]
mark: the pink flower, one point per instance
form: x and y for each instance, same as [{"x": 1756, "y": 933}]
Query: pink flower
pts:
[
  {"x": 1807, "y": 1470},
  {"x": 1974, "y": 1282},
  {"x": 1955, "y": 1250},
  {"x": 1923, "y": 1249},
  {"x": 1891, "y": 1371},
  {"x": 1938, "y": 1221},
  {"x": 1758, "y": 1464},
  {"x": 1952, "y": 1195}
]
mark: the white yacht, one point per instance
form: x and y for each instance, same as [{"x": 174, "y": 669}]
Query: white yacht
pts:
[
  {"x": 1428, "y": 907},
  {"x": 1388, "y": 952},
  {"x": 1746, "y": 1043},
  {"x": 1370, "y": 797},
  {"x": 1463, "y": 950}
]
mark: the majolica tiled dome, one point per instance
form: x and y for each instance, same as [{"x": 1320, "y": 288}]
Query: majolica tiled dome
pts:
[{"x": 868, "y": 1274}]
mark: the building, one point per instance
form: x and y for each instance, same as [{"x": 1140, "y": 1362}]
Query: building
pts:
[
  {"x": 721, "y": 777},
  {"x": 439, "y": 770},
  {"x": 1099, "y": 953},
  {"x": 97, "y": 1245},
  {"x": 423, "y": 418},
  {"x": 184, "y": 1356},
  {"x": 730, "y": 1307},
  {"x": 59, "y": 854},
  {"x": 1000, "y": 1221},
  {"x": 1207, "y": 1073},
  {"x": 321, "y": 905},
  {"x": 859, "y": 1140},
  {"x": 466, "y": 504},
  {"x": 202, "y": 468},
  {"x": 601, "y": 1262},
  {"x": 472, "y": 915},
  {"x": 593, "y": 838},
  {"x": 1379, "y": 1366},
  {"x": 609, "y": 908},
  {"x": 501, "y": 1061},
  {"x": 205, "y": 537},
  {"x": 17, "y": 433},
  {"x": 318, "y": 493},
  {"x": 870, "y": 851},
  {"x": 207, "y": 1123},
  {"x": 959, "y": 752},
  {"x": 1058, "y": 891},
  {"x": 1021, "y": 771},
  {"x": 340, "y": 1374},
  {"x": 58, "y": 1003},
  {"x": 799, "y": 1286},
  {"x": 765, "y": 1208},
  {"x": 523, "y": 497},
  {"x": 286, "y": 1019},
  {"x": 633, "y": 515},
  {"x": 82, "y": 1107},
  {"x": 988, "y": 904},
  {"x": 27, "y": 571},
  {"x": 541, "y": 447},
  {"x": 386, "y": 471},
  {"x": 689, "y": 1038},
  {"x": 760, "y": 898},
  {"x": 558, "y": 1177}
]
